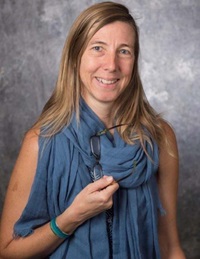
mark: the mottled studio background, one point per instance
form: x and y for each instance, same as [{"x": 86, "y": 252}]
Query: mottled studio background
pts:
[{"x": 32, "y": 34}]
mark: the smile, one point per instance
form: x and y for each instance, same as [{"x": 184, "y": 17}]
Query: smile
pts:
[{"x": 106, "y": 82}]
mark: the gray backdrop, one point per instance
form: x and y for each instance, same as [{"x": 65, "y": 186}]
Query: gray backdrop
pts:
[{"x": 32, "y": 35}]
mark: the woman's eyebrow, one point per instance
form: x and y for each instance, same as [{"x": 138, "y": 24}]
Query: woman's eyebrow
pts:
[
  {"x": 104, "y": 43},
  {"x": 98, "y": 42},
  {"x": 127, "y": 45}
]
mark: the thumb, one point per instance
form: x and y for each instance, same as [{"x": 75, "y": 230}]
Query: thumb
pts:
[{"x": 102, "y": 183}]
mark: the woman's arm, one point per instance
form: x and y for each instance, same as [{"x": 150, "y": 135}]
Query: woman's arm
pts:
[
  {"x": 168, "y": 186},
  {"x": 95, "y": 198}
]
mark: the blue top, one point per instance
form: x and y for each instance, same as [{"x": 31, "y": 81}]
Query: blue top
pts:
[{"x": 63, "y": 170}]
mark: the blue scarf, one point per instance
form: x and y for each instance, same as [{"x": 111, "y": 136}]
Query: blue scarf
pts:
[{"x": 63, "y": 170}]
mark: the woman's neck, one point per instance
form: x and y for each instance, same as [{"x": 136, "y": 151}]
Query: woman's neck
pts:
[{"x": 103, "y": 111}]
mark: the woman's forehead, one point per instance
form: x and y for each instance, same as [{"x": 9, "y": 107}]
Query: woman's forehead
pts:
[{"x": 121, "y": 31}]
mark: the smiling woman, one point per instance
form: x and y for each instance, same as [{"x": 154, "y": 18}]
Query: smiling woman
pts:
[
  {"x": 107, "y": 64},
  {"x": 99, "y": 167}
]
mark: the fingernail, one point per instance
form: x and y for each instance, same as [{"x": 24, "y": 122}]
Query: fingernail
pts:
[{"x": 109, "y": 178}]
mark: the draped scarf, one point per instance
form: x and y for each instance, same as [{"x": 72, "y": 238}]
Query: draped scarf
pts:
[{"x": 64, "y": 165}]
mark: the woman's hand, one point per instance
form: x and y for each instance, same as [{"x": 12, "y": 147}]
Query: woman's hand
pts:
[
  {"x": 95, "y": 198},
  {"x": 92, "y": 200}
]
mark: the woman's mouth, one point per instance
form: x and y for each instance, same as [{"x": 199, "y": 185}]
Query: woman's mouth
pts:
[{"x": 106, "y": 81}]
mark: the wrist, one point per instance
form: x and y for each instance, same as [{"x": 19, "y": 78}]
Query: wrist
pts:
[
  {"x": 56, "y": 230},
  {"x": 68, "y": 221}
]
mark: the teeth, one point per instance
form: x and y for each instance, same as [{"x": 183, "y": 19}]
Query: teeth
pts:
[{"x": 106, "y": 82}]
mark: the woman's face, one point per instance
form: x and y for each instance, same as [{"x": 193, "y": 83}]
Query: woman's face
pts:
[{"x": 107, "y": 63}]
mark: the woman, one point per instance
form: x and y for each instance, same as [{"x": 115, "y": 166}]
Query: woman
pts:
[{"x": 85, "y": 182}]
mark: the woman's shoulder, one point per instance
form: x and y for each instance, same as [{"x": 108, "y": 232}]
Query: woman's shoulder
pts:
[
  {"x": 168, "y": 144},
  {"x": 168, "y": 130},
  {"x": 39, "y": 140},
  {"x": 36, "y": 135},
  {"x": 32, "y": 134},
  {"x": 30, "y": 139}
]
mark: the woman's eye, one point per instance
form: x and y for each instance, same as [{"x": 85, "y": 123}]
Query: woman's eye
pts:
[
  {"x": 125, "y": 51},
  {"x": 97, "y": 48}
]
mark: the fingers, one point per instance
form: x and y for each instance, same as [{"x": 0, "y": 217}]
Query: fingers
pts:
[
  {"x": 95, "y": 198},
  {"x": 102, "y": 190},
  {"x": 104, "y": 182}
]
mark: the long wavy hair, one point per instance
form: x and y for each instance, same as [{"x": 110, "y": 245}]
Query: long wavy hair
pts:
[{"x": 131, "y": 108}]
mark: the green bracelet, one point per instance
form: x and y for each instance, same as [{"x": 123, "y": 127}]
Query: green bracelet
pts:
[{"x": 56, "y": 230}]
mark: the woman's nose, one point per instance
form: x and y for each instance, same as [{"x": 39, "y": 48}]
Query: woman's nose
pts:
[{"x": 110, "y": 62}]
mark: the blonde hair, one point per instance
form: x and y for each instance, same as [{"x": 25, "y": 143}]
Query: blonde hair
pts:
[{"x": 131, "y": 107}]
